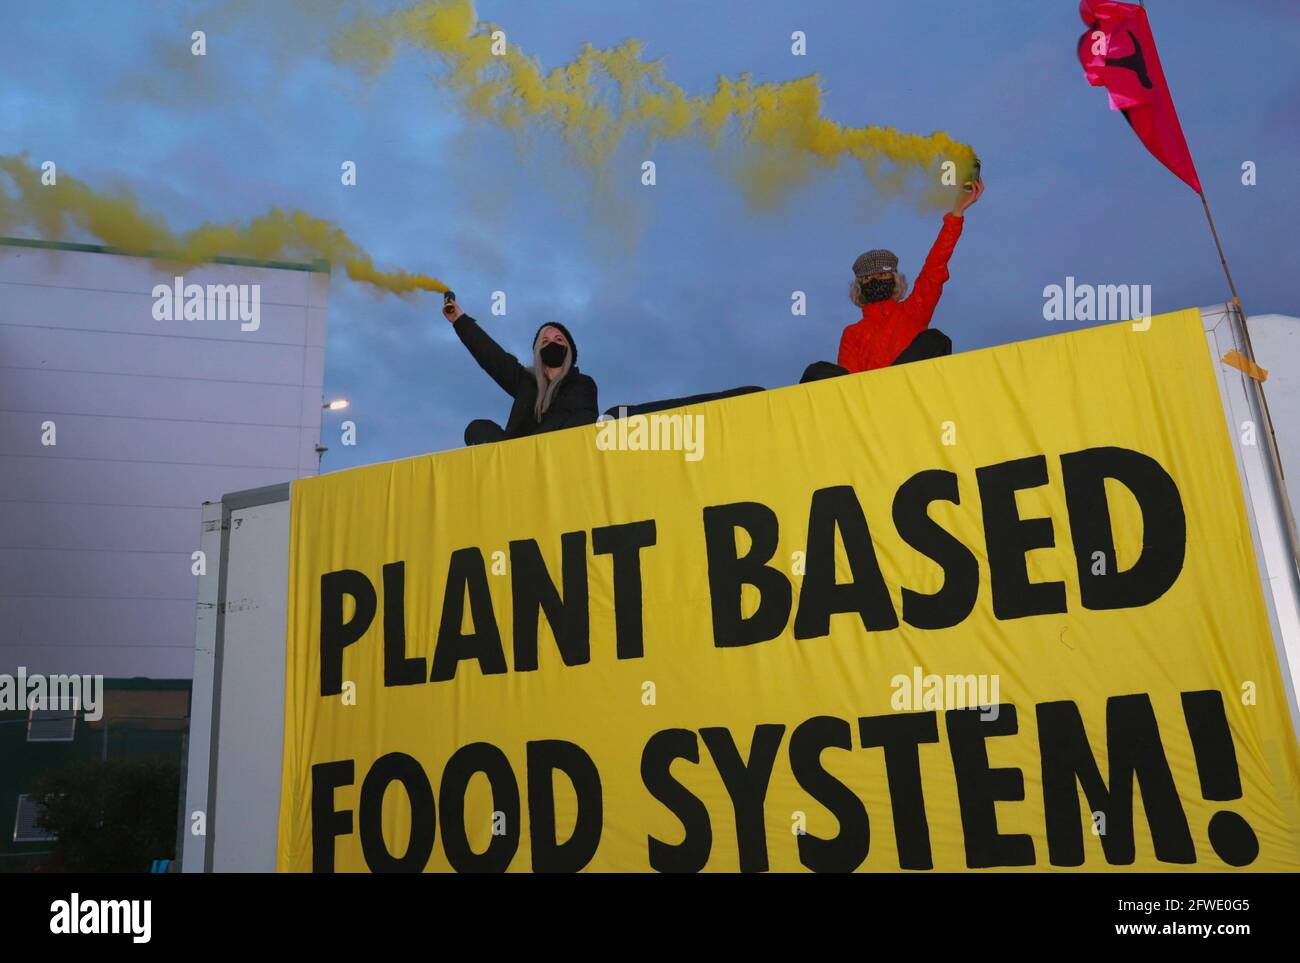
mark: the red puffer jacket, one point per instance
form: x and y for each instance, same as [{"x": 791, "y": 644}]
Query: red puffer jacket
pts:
[{"x": 887, "y": 327}]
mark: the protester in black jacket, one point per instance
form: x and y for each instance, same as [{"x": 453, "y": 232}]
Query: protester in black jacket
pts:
[{"x": 550, "y": 395}]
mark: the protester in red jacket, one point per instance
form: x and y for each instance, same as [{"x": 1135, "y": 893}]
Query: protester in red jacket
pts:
[{"x": 893, "y": 329}]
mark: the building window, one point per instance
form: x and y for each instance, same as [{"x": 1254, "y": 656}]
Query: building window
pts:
[
  {"x": 51, "y": 725},
  {"x": 25, "y": 828}
]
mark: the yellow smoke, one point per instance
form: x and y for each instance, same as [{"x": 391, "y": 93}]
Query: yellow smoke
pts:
[
  {"x": 117, "y": 220},
  {"x": 601, "y": 96},
  {"x": 595, "y": 102}
]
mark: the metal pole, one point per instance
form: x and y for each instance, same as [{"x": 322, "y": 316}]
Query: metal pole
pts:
[
  {"x": 1219, "y": 247},
  {"x": 1236, "y": 301},
  {"x": 1238, "y": 321}
]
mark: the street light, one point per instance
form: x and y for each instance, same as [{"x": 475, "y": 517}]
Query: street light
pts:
[{"x": 338, "y": 404}]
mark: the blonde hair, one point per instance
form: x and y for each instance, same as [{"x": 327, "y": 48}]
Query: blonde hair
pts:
[
  {"x": 900, "y": 288},
  {"x": 545, "y": 389}
]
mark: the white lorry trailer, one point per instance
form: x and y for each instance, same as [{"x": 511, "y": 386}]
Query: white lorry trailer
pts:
[{"x": 232, "y": 786}]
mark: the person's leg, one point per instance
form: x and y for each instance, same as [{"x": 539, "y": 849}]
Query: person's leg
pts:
[
  {"x": 480, "y": 431},
  {"x": 930, "y": 343},
  {"x": 821, "y": 369}
]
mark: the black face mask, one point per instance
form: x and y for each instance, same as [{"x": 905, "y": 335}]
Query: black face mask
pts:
[
  {"x": 876, "y": 289},
  {"x": 553, "y": 354}
]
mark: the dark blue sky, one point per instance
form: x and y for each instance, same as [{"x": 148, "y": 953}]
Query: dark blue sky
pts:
[{"x": 678, "y": 288}]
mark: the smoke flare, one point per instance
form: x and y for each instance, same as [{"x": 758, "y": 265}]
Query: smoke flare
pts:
[
  {"x": 117, "y": 220},
  {"x": 603, "y": 95}
]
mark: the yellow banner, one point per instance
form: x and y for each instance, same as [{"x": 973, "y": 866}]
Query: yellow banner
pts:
[{"x": 998, "y": 610}]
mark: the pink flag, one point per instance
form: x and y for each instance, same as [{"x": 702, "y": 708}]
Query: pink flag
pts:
[{"x": 1118, "y": 52}]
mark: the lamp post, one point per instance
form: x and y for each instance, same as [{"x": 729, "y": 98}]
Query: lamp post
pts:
[{"x": 338, "y": 404}]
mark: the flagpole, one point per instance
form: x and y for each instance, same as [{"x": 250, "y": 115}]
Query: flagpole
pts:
[
  {"x": 1245, "y": 332},
  {"x": 1238, "y": 320},
  {"x": 1218, "y": 246},
  {"x": 1238, "y": 317}
]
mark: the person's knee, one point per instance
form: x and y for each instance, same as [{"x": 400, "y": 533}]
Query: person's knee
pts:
[
  {"x": 934, "y": 342},
  {"x": 480, "y": 431},
  {"x": 821, "y": 369},
  {"x": 930, "y": 343}
]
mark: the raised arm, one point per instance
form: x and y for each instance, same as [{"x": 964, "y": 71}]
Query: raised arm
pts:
[
  {"x": 503, "y": 367},
  {"x": 934, "y": 273},
  {"x": 929, "y": 283}
]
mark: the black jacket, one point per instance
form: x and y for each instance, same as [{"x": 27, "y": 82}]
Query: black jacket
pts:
[{"x": 574, "y": 401}]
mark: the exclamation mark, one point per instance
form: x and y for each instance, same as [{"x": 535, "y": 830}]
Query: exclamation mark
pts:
[{"x": 1216, "y": 762}]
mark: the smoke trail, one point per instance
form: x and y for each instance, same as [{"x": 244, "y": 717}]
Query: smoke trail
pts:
[
  {"x": 603, "y": 95},
  {"x": 118, "y": 221}
]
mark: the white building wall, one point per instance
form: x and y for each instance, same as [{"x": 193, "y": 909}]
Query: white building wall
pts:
[{"x": 152, "y": 418}]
